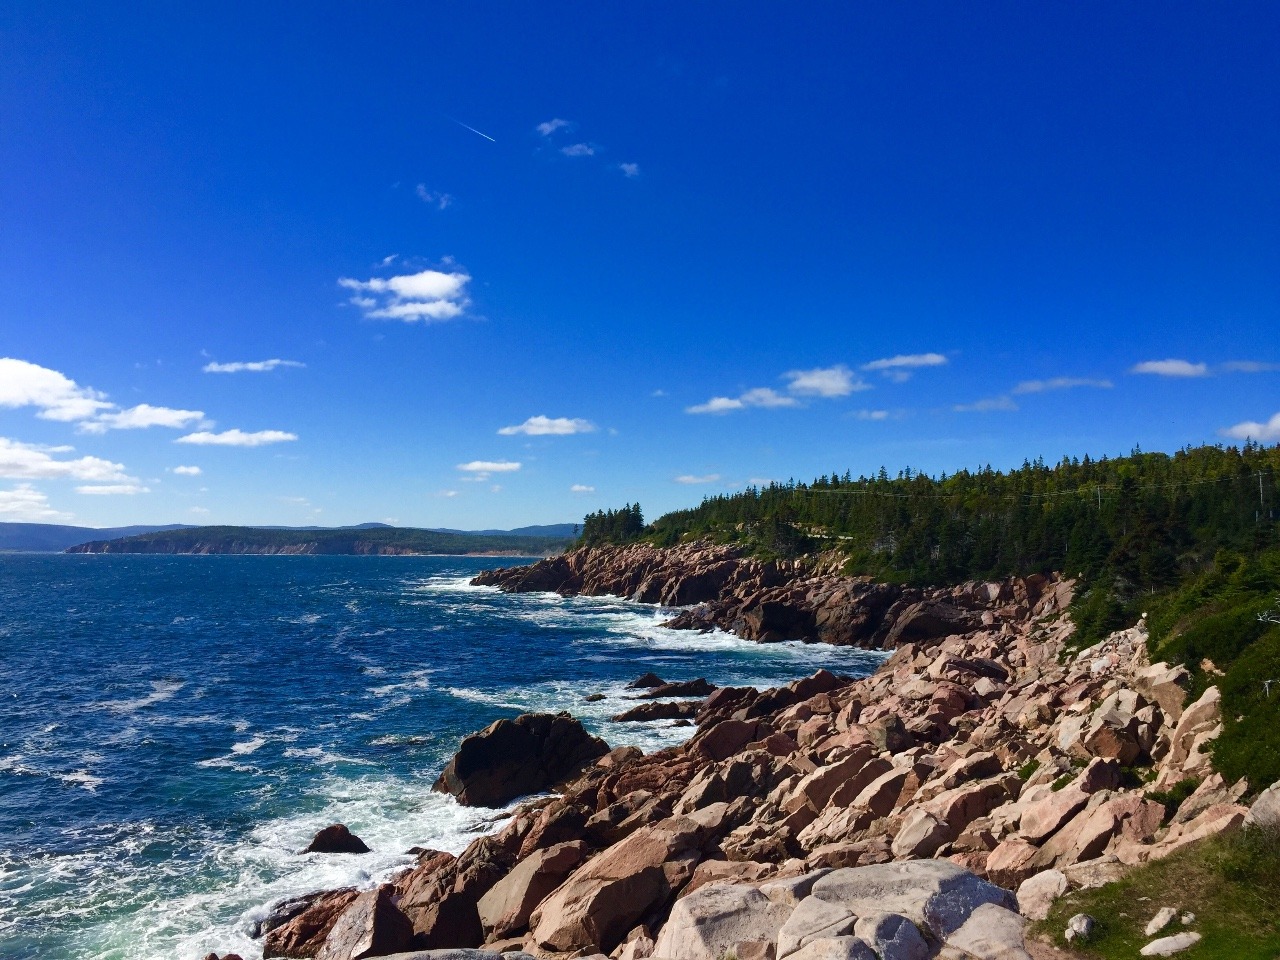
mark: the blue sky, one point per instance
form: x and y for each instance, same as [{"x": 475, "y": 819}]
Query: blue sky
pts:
[{"x": 480, "y": 265}]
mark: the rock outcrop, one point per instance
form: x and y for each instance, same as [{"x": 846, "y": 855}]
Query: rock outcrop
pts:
[
  {"x": 889, "y": 816},
  {"x": 511, "y": 758},
  {"x": 336, "y": 838}
]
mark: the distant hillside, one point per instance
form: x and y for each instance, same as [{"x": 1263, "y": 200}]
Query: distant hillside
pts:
[
  {"x": 364, "y": 540},
  {"x": 54, "y": 538}
]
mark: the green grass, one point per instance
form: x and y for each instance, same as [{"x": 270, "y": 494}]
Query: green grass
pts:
[{"x": 1231, "y": 883}]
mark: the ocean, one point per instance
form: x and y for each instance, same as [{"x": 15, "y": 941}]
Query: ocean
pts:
[{"x": 173, "y": 730}]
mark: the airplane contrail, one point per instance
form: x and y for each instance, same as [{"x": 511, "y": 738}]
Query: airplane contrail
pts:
[{"x": 472, "y": 129}]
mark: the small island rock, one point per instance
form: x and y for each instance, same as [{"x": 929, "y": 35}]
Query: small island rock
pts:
[{"x": 336, "y": 838}]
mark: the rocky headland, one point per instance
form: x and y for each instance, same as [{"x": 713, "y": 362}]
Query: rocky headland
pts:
[
  {"x": 768, "y": 601},
  {"x": 929, "y": 810}
]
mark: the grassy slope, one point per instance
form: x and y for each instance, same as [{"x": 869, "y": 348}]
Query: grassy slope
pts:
[{"x": 1231, "y": 883}]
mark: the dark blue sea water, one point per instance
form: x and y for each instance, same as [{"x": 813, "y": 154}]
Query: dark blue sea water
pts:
[{"x": 174, "y": 729}]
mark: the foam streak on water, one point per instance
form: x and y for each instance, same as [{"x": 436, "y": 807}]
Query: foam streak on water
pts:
[{"x": 174, "y": 729}]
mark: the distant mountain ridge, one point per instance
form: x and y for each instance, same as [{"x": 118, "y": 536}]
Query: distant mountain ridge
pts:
[
  {"x": 340, "y": 541},
  {"x": 56, "y": 538}
]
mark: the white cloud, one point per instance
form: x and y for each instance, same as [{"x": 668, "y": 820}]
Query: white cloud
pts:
[
  {"x": 756, "y": 397},
  {"x": 900, "y": 367},
  {"x": 113, "y": 489},
  {"x": 629, "y": 169},
  {"x": 438, "y": 200},
  {"x": 429, "y": 295},
  {"x": 251, "y": 366},
  {"x": 1250, "y": 366},
  {"x": 141, "y": 417},
  {"x": 549, "y": 426},
  {"x": 1171, "y": 368},
  {"x": 837, "y": 381},
  {"x": 187, "y": 471},
  {"x": 58, "y": 397},
  {"x": 579, "y": 150},
  {"x": 25, "y": 503},
  {"x": 1268, "y": 432},
  {"x": 490, "y": 466},
  {"x": 236, "y": 438},
  {"x": 688, "y": 478},
  {"x": 200, "y": 510},
  {"x": 872, "y": 415},
  {"x": 986, "y": 406},
  {"x": 1060, "y": 383},
  {"x": 582, "y": 488},
  {"x": 551, "y": 126},
  {"x": 24, "y": 461},
  {"x": 447, "y": 493},
  {"x": 716, "y": 405}
]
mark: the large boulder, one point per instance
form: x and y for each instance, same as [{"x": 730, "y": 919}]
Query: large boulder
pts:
[
  {"x": 371, "y": 927},
  {"x": 505, "y": 909},
  {"x": 1265, "y": 811},
  {"x": 336, "y": 838},
  {"x": 602, "y": 900},
  {"x": 935, "y": 895},
  {"x": 714, "y": 919},
  {"x": 298, "y": 928},
  {"x": 990, "y": 933},
  {"x": 511, "y": 758}
]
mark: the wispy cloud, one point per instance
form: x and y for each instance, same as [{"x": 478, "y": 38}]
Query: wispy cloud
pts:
[
  {"x": 871, "y": 415},
  {"x": 25, "y": 503},
  {"x": 187, "y": 471},
  {"x": 25, "y": 461},
  {"x": 756, "y": 397},
  {"x": 837, "y": 381},
  {"x": 688, "y": 478},
  {"x": 142, "y": 417},
  {"x": 56, "y": 396},
  {"x": 113, "y": 489},
  {"x": 237, "y": 438},
  {"x": 541, "y": 426},
  {"x": 582, "y": 488},
  {"x": 989, "y": 405},
  {"x": 440, "y": 201},
  {"x": 427, "y": 296},
  {"x": 250, "y": 366},
  {"x": 629, "y": 169},
  {"x": 481, "y": 470},
  {"x": 1060, "y": 383},
  {"x": 490, "y": 466},
  {"x": 579, "y": 150},
  {"x": 900, "y": 368},
  {"x": 549, "y": 127},
  {"x": 1268, "y": 432},
  {"x": 1171, "y": 368}
]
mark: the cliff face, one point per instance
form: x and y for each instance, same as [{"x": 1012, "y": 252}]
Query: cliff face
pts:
[
  {"x": 833, "y": 807},
  {"x": 770, "y": 601}
]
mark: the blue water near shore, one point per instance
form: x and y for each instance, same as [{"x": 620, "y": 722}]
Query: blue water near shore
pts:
[{"x": 174, "y": 729}]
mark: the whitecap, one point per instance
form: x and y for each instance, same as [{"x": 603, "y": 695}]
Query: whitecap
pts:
[
  {"x": 161, "y": 690},
  {"x": 245, "y": 747}
]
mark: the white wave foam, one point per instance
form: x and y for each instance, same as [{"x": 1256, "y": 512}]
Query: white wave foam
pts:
[
  {"x": 161, "y": 690},
  {"x": 81, "y": 778},
  {"x": 209, "y": 899},
  {"x": 246, "y": 747}
]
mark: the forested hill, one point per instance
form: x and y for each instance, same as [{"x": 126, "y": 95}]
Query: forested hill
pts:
[
  {"x": 377, "y": 540},
  {"x": 1149, "y": 519}
]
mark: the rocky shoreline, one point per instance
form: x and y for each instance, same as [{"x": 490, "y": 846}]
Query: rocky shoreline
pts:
[
  {"x": 926, "y": 811},
  {"x": 769, "y": 601}
]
